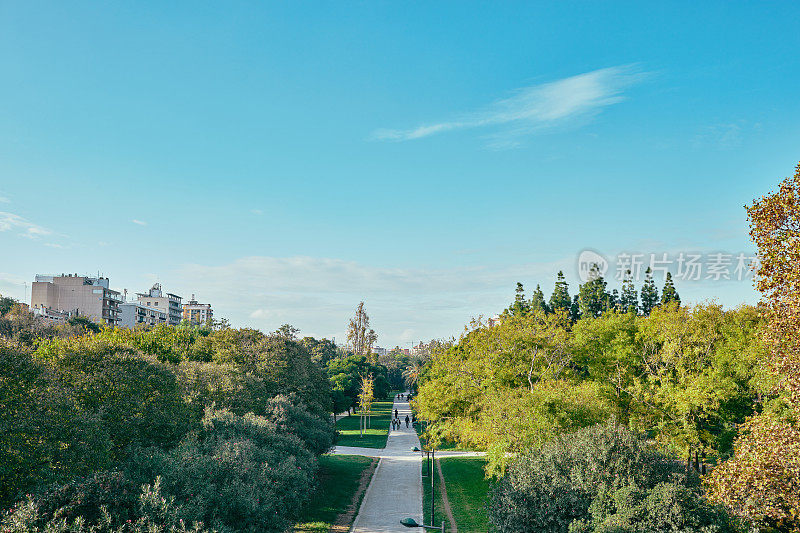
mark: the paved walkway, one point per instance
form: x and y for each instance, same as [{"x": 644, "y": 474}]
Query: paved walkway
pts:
[{"x": 395, "y": 491}]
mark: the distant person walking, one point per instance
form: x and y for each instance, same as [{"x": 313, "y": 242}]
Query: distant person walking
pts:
[
  {"x": 407, "y": 420},
  {"x": 395, "y": 414}
]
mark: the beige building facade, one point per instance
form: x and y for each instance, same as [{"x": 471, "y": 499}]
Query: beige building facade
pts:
[
  {"x": 77, "y": 295},
  {"x": 197, "y": 313},
  {"x": 167, "y": 302}
]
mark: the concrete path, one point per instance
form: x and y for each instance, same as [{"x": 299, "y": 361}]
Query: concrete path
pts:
[{"x": 395, "y": 491}]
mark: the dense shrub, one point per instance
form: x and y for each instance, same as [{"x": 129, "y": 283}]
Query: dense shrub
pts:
[
  {"x": 284, "y": 365},
  {"x": 153, "y": 513},
  {"x": 601, "y": 479},
  {"x": 45, "y": 435},
  {"x": 76, "y": 406},
  {"x": 291, "y": 416},
  {"x": 224, "y": 385},
  {"x": 136, "y": 397},
  {"x": 85, "y": 497},
  {"x": 76, "y": 410},
  {"x": 237, "y": 473}
]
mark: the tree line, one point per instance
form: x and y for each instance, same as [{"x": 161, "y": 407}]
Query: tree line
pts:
[{"x": 593, "y": 297}]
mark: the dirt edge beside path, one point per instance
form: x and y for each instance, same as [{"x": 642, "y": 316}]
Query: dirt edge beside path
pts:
[
  {"x": 345, "y": 520},
  {"x": 443, "y": 489}
]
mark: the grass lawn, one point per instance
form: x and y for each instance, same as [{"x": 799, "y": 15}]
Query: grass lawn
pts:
[
  {"x": 426, "y": 498},
  {"x": 339, "y": 477},
  {"x": 375, "y": 436},
  {"x": 467, "y": 491}
]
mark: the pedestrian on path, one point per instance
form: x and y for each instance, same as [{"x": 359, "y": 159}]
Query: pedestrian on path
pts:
[
  {"x": 395, "y": 414},
  {"x": 407, "y": 420}
]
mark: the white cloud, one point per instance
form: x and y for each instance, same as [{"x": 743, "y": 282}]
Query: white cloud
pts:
[
  {"x": 257, "y": 211},
  {"x": 319, "y": 295},
  {"x": 4, "y": 200},
  {"x": 21, "y": 225},
  {"x": 537, "y": 106},
  {"x": 139, "y": 222}
]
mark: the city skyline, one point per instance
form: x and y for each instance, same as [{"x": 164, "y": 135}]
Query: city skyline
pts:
[{"x": 285, "y": 164}]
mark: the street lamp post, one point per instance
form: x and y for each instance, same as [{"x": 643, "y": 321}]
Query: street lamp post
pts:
[{"x": 431, "y": 457}]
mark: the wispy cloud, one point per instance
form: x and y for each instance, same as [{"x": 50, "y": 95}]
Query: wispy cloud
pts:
[
  {"x": 4, "y": 200},
  {"x": 257, "y": 211},
  {"x": 537, "y": 106},
  {"x": 727, "y": 136},
  {"x": 139, "y": 222},
  {"x": 22, "y": 226}
]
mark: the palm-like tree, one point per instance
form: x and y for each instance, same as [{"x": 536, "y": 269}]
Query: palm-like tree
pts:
[{"x": 412, "y": 372}]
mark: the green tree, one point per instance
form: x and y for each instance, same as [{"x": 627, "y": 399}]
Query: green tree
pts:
[
  {"x": 649, "y": 293},
  {"x": 628, "y": 301},
  {"x": 593, "y": 299},
  {"x": 287, "y": 331},
  {"x": 6, "y": 304},
  {"x": 520, "y": 307},
  {"x": 575, "y": 309},
  {"x": 613, "y": 300},
  {"x": 345, "y": 375},
  {"x": 538, "y": 301},
  {"x": 560, "y": 298},
  {"x": 669, "y": 294},
  {"x": 321, "y": 350},
  {"x": 359, "y": 335}
]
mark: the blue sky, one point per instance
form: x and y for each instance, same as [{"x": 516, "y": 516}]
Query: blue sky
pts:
[{"x": 285, "y": 160}]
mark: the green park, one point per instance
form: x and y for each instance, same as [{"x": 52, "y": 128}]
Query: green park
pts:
[{"x": 316, "y": 266}]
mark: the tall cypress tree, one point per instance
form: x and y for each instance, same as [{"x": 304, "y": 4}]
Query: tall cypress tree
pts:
[
  {"x": 537, "y": 301},
  {"x": 520, "y": 305},
  {"x": 592, "y": 296},
  {"x": 649, "y": 293},
  {"x": 575, "y": 309},
  {"x": 613, "y": 300},
  {"x": 669, "y": 294},
  {"x": 629, "y": 301},
  {"x": 560, "y": 298}
]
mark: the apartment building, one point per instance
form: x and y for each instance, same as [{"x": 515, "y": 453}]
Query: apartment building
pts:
[
  {"x": 78, "y": 295},
  {"x": 197, "y": 313},
  {"x": 167, "y": 302},
  {"x": 133, "y": 314}
]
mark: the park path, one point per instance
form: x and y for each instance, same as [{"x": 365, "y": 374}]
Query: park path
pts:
[{"x": 395, "y": 491}]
